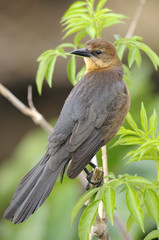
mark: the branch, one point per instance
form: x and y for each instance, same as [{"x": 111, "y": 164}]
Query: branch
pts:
[
  {"x": 135, "y": 19},
  {"x": 28, "y": 111}
]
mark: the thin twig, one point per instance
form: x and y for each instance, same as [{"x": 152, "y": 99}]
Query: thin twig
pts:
[
  {"x": 101, "y": 211},
  {"x": 135, "y": 19},
  {"x": 31, "y": 112},
  {"x": 99, "y": 228},
  {"x": 105, "y": 163}
]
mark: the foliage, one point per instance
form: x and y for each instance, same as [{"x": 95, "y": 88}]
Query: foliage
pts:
[
  {"x": 85, "y": 18},
  {"x": 140, "y": 194},
  {"x": 147, "y": 138}
]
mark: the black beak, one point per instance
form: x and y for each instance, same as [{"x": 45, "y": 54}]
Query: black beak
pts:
[{"x": 81, "y": 52}]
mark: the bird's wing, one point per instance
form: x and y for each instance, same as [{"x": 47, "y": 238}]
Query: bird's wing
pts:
[
  {"x": 95, "y": 117},
  {"x": 87, "y": 135}
]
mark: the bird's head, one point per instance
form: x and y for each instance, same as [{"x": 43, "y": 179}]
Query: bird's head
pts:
[{"x": 98, "y": 54}]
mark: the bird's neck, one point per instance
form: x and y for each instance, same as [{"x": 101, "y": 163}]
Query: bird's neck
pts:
[{"x": 114, "y": 64}]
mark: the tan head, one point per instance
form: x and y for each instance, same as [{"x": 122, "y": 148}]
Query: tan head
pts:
[{"x": 98, "y": 54}]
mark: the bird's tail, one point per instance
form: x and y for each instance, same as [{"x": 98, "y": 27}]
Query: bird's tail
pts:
[{"x": 32, "y": 191}]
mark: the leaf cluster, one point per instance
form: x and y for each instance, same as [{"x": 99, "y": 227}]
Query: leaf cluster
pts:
[
  {"x": 86, "y": 19},
  {"x": 82, "y": 19},
  {"x": 134, "y": 45},
  {"x": 141, "y": 194},
  {"x": 146, "y": 138}
]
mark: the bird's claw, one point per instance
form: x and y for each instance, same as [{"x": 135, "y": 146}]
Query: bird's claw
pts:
[{"x": 94, "y": 178}]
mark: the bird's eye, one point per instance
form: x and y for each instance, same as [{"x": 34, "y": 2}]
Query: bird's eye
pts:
[{"x": 98, "y": 51}]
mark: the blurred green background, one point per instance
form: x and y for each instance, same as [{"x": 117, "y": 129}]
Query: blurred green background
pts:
[{"x": 30, "y": 28}]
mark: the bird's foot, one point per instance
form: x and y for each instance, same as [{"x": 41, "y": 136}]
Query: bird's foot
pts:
[{"x": 95, "y": 177}]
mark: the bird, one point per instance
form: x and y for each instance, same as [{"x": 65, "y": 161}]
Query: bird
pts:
[{"x": 91, "y": 116}]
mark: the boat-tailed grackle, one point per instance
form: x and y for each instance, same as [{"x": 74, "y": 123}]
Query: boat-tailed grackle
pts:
[{"x": 91, "y": 116}]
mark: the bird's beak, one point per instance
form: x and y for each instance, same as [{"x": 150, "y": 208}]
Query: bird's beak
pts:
[{"x": 81, "y": 52}]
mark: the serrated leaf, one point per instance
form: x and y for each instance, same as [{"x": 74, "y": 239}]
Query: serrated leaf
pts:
[
  {"x": 109, "y": 202},
  {"x": 133, "y": 204},
  {"x": 143, "y": 116},
  {"x": 152, "y": 204},
  {"x": 87, "y": 219},
  {"x": 71, "y": 70},
  {"x": 153, "y": 124},
  {"x": 152, "y": 235},
  {"x": 82, "y": 201},
  {"x": 50, "y": 70},
  {"x": 132, "y": 56},
  {"x": 129, "y": 223}
]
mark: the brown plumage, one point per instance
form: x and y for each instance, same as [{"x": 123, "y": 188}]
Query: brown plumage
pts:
[{"x": 91, "y": 116}]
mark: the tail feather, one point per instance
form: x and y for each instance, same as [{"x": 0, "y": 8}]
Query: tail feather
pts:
[
  {"x": 33, "y": 174},
  {"x": 32, "y": 191}
]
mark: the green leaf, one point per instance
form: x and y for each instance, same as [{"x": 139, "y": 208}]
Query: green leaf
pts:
[
  {"x": 61, "y": 52},
  {"x": 120, "y": 51},
  {"x": 129, "y": 223},
  {"x": 77, "y": 4},
  {"x": 152, "y": 235},
  {"x": 71, "y": 70},
  {"x": 45, "y": 54},
  {"x": 73, "y": 30},
  {"x": 138, "y": 58},
  {"x": 101, "y": 4},
  {"x": 152, "y": 204},
  {"x": 151, "y": 54},
  {"x": 87, "y": 219},
  {"x": 82, "y": 201},
  {"x": 91, "y": 31},
  {"x": 131, "y": 122},
  {"x": 109, "y": 202},
  {"x": 66, "y": 45},
  {"x": 79, "y": 36},
  {"x": 128, "y": 140},
  {"x": 80, "y": 73},
  {"x": 132, "y": 56},
  {"x": 139, "y": 180},
  {"x": 50, "y": 70},
  {"x": 153, "y": 124},
  {"x": 133, "y": 204},
  {"x": 40, "y": 75},
  {"x": 143, "y": 116}
]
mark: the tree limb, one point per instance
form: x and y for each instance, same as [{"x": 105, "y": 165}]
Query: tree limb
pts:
[
  {"x": 135, "y": 19},
  {"x": 28, "y": 111}
]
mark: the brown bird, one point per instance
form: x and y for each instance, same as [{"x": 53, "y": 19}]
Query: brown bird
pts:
[{"x": 91, "y": 116}]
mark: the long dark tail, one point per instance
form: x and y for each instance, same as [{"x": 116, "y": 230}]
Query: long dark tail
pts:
[{"x": 32, "y": 191}]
